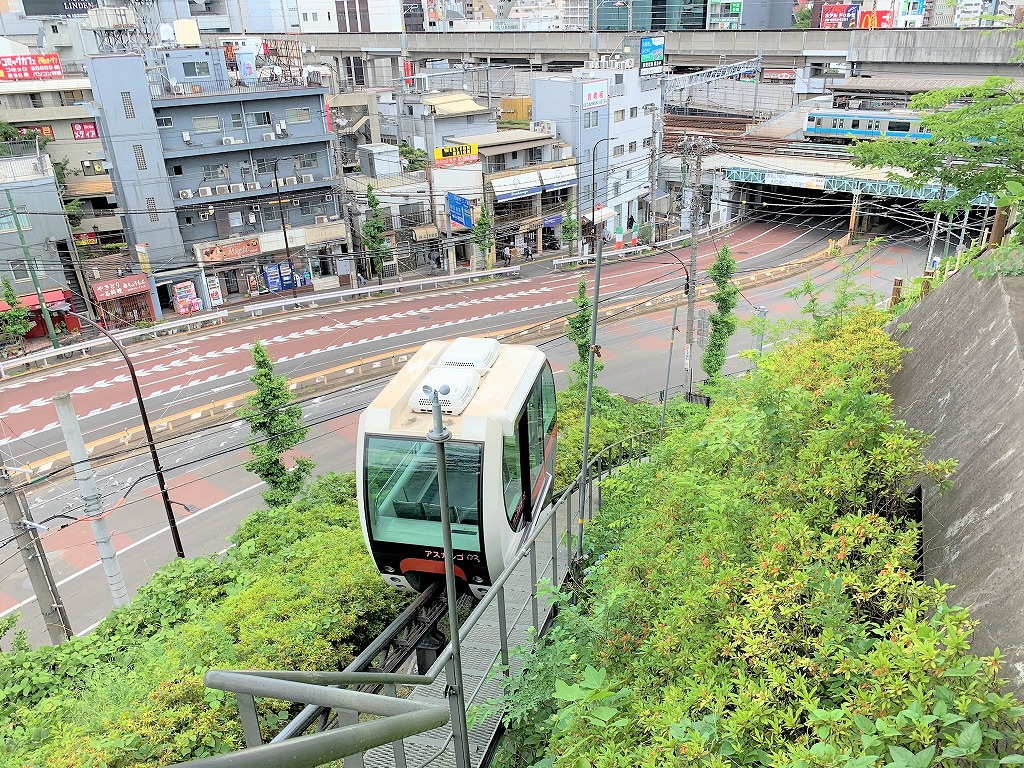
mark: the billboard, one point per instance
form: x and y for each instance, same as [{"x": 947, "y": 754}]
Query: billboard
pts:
[
  {"x": 876, "y": 19},
  {"x": 652, "y": 55},
  {"x": 46, "y": 131},
  {"x": 58, "y": 7},
  {"x": 839, "y": 16},
  {"x": 215, "y": 253},
  {"x": 31, "y": 66},
  {"x": 455, "y": 154},
  {"x": 595, "y": 94},
  {"x": 82, "y": 131}
]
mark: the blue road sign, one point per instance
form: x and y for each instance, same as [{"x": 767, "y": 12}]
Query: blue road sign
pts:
[{"x": 460, "y": 210}]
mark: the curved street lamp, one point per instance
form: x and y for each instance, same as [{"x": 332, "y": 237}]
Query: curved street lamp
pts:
[{"x": 168, "y": 510}]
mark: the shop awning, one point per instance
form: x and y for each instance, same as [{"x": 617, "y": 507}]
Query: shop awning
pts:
[
  {"x": 31, "y": 300},
  {"x": 520, "y": 185},
  {"x": 601, "y": 214},
  {"x": 425, "y": 232},
  {"x": 558, "y": 178}
]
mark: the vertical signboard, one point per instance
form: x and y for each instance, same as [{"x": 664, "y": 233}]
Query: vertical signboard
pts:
[
  {"x": 652, "y": 56},
  {"x": 460, "y": 210}
]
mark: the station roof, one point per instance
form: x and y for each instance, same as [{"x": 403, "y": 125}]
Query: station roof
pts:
[{"x": 903, "y": 84}]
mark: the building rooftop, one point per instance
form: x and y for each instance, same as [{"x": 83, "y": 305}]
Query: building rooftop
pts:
[
  {"x": 454, "y": 104},
  {"x": 37, "y": 86},
  {"x": 503, "y": 138}
]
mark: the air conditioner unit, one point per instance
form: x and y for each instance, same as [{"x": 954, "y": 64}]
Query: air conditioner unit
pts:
[
  {"x": 178, "y": 88},
  {"x": 238, "y": 187},
  {"x": 255, "y": 206},
  {"x": 205, "y": 192},
  {"x": 320, "y": 219},
  {"x": 227, "y": 141},
  {"x": 204, "y": 217},
  {"x": 281, "y": 130},
  {"x": 295, "y": 202},
  {"x": 252, "y": 218},
  {"x": 268, "y": 137},
  {"x": 307, "y": 178},
  {"x": 186, "y": 137},
  {"x": 222, "y": 189},
  {"x": 328, "y": 198},
  {"x": 252, "y": 185},
  {"x": 185, "y": 194},
  {"x": 291, "y": 181},
  {"x": 628, "y": 63}
]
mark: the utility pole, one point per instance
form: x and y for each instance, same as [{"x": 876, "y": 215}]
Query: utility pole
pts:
[
  {"x": 938, "y": 215},
  {"x": 655, "y": 168},
  {"x": 694, "y": 149},
  {"x": 853, "y": 216},
  {"x": 92, "y": 499},
  {"x": 26, "y": 538},
  {"x": 757, "y": 85},
  {"x": 762, "y": 313},
  {"x": 668, "y": 371},
  {"x": 284, "y": 225},
  {"x": 31, "y": 266}
]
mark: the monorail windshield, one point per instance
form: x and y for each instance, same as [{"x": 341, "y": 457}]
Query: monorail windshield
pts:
[{"x": 402, "y": 494}]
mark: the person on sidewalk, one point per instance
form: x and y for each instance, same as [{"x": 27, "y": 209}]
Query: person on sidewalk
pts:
[
  {"x": 506, "y": 256},
  {"x": 359, "y": 278},
  {"x": 527, "y": 253}
]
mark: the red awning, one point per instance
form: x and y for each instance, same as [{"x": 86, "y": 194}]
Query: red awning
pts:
[{"x": 31, "y": 300}]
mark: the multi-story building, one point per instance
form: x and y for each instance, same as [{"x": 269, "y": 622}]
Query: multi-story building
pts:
[
  {"x": 224, "y": 181},
  {"x": 30, "y": 208},
  {"x": 48, "y": 101},
  {"x": 610, "y": 116},
  {"x": 430, "y": 121}
]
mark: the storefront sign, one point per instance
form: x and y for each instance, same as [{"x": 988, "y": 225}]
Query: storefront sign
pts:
[
  {"x": 213, "y": 253},
  {"x": 455, "y": 154},
  {"x": 86, "y": 238},
  {"x": 58, "y": 7},
  {"x": 839, "y": 16},
  {"x": 122, "y": 286},
  {"x": 876, "y": 19},
  {"x": 253, "y": 283},
  {"x": 142, "y": 253},
  {"x": 31, "y": 66},
  {"x": 778, "y": 75},
  {"x": 595, "y": 94},
  {"x": 553, "y": 221},
  {"x": 46, "y": 131},
  {"x": 80, "y": 131},
  {"x": 213, "y": 286}
]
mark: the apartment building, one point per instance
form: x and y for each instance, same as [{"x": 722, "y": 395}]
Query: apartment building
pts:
[{"x": 226, "y": 182}]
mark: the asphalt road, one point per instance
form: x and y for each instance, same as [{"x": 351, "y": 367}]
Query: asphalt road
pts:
[{"x": 203, "y": 469}]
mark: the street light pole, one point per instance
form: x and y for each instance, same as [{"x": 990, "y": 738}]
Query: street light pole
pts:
[
  {"x": 284, "y": 226},
  {"x": 158, "y": 470}
]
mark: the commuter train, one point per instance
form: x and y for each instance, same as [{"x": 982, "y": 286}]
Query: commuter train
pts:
[
  {"x": 840, "y": 126},
  {"x": 500, "y": 461}
]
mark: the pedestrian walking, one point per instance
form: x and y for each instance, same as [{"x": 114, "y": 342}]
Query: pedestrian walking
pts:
[
  {"x": 506, "y": 256},
  {"x": 527, "y": 253},
  {"x": 435, "y": 264},
  {"x": 359, "y": 277}
]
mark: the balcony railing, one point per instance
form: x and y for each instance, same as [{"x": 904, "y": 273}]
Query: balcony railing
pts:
[{"x": 166, "y": 90}]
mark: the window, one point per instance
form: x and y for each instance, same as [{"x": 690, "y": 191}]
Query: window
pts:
[
  {"x": 305, "y": 17},
  {"x": 619, "y": 150},
  {"x": 208, "y": 124},
  {"x": 309, "y": 207},
  {"x": 257, "y": 119},
  {"x": 308, "y": 160},
  {"x": 633, "y": 111},
  {"x": 536, "y": 155},
  {"x": 314, "y": 16},
  {"x": 297, "y": 115},
  {"x": 67, "y": 98},
  {"x": 632, "y": 146},
  {"x": 151, "y": 208},
  {"x": 616, "y": 188},
  {"x": 20, "y": 269},
  {"x": 36, "y": 100},
  {"x": 648, "y": 142},
  {"x": 164, "y": 122},
  {"x": 177, "y": 170},
  {"x": 188, "y": 221},
  {"x": 899, "y": 125},
  {"x": 195, "y": 68},
  {"x": 855, "y": 124},
  {"x": 214, "y": 172},
  {"x": 236, "y": 121},
  {"x": 271, "y": 212},
  {"x": 515, "y": 155},
  {"x": 265, "y": 164},
  {"x": 590, "y": 119},
  {"x": 140, "y": 157},
  {"x": 234, "y": 218},
  {"x": 619, "y": 116},
  {"x": 7, "y": 223}
]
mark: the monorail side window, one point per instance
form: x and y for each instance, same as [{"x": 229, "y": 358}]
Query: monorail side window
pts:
[
  {"x": 402, "y": 497},
  {"x": 855, "y": 124},
  {"x": 512, "y": 478},
  {"x": 837, "y": 122},
  {"x": 902, "y": 126}
]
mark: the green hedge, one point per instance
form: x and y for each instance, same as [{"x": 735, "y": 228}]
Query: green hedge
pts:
[
  {"x": 296, "y": 591},
  {"x": 751, "y": 596}
]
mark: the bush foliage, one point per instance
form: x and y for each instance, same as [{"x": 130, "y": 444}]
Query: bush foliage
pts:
[
  {"x": 297, "y": 590},
  {"x": 751, "y": 596}
]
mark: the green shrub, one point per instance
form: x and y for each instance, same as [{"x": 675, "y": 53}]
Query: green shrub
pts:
[{"x": 751, "y": 600}]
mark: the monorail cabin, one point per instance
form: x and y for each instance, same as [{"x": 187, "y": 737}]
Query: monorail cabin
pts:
[{"x": 500, "y": 461}]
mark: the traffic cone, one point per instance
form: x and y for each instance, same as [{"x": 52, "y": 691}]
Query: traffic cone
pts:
[{"x": 618, "y": 238}]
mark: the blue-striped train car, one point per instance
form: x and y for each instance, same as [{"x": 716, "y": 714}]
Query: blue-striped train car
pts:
[
  {"x": 500, "y": 461},
  {"x": 840, "y": 126}
]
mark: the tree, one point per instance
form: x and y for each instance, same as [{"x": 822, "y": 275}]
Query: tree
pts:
[
  {"x": 276, "y": 421},
  {"x": 802, "y": 17},
  {"x": 483, "y": 234},
  {"x": 570, "y": 228},
  {"x": 723, "y": 321},
  {"x": 579, "y": 333},
  {"x": 975, "y": 147},
  {"x": 374, "y": 227},
  {"x": 412, "y": 159},
  {"x": 14, "y": 322}
]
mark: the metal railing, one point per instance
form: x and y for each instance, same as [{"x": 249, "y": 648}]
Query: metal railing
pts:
[{"x": 315, "y": 688}]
